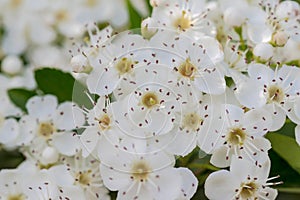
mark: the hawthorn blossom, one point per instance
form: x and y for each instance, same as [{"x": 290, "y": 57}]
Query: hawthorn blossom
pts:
[
  {"x": 47, "y": 129},
  {"x": 274, "y": 90},
  {"x": 237, "y": 134},
  {"x": 244, "y": 181},
  {"x": 187, "y": 17},
  {"x": 145, "y": 176}
]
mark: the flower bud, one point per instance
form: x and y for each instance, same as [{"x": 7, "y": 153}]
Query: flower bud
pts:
[
  {"x": 148, "y": 28},
  {"x": 50, "y": 155},
  {"x": 11, "y": 65},
  {"x": 280, "y": 38}
]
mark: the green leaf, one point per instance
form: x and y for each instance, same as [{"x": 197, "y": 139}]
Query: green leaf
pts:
[
  {"x": 63, "y": 85},
  {"x": 134, "y": 17},
  {"x": 20, "y": 96},
  {"x": 10, "y": 159},
  {"x": 287, "y": 148}
]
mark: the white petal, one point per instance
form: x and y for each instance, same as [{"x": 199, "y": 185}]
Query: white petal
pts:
[
  {"x": 261, "y": 73},
  {"x": 182, "y": 143},
  {"x": 89, "y": 140},
  {"x": 67, "y": 143},
  {"x": 168, "y": 184},
  {"x": 250, "y": 94},
  {"x": 218, "y": 157},
  {"x": 72, "y": 192},
  {"x": 272, "y": 193},
  {"x": 189, "y": 183},
  {"x": 103, "y": 82},
  {"x": 259, "y": 32},
  {"x": 222, "y": 182},
  {"x": 42, "y": 108},
  {"x": 278, "y": 116},
  {"x": 257, "y": 121},
  {"x": 68, "y": 116},
  {"x": 211, "y": 82},
  {"x": 114, "y": 179},
  {"x": 61, "y": 175},
  {"x": 29, "y": 126},
  {"x": 9, "y": 131}
]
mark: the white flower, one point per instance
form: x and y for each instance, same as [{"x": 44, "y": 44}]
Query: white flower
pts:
[
  {"x": 193, "y": 62},
  {"x": 142, "y": 176},
  {"x": 116, "y": 60},
  {"x": 42, "y": 185},
  {"x": 101, "y": 123},
  {"x": 11, "y": 65},
  {"x": 273, "y": 22},
  {"x": 244, "y": 181},
  {"x": 274, "y": 90},
  {"x": 11, "y": 185},
  {"x": 83, "y": 173},
  {"x": 237, "y": 134},
  {"x": 188, "y": 17},
  {"x": 50, "y": 125}
]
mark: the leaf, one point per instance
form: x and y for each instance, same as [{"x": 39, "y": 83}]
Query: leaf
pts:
[
  {"x": 19, "y": 96},
  {"x": 134, "y": 17},
  {"x": 63, "y": 85},
  {"x": 287, "y": 148},
  {"x": 11, "y": 159}
]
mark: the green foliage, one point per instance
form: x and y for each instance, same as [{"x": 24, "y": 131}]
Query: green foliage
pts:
[
  {"x": 19, "y": 96},
  {"x": 63, "y": 85},
  {"x": 134, "y": 17},
  {"x": 287, "y": 148},
  {"x": 10, "y": 159}
]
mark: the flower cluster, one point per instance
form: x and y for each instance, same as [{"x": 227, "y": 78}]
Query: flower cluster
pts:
[{"x": 196, "y": 76}]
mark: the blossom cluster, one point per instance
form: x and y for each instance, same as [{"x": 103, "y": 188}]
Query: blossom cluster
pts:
[{"x": 207, "y": 76}]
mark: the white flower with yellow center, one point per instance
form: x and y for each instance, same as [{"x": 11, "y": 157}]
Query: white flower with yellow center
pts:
[
  {"x": 101, "y": 123},
  {"x": 275, "y": 90},
  {"x": 149, "y": 109},
  {"x": 273, "y": 22},
  {"x": 244, "y": 181},
  {"x": 43, "y": 185},
  {"x": 187, "y": 17},
  {"x": 47, "y": 129},
  {"x": 143, "y": 176},
  {"x": 116, "y": 61},
  {"x": 80, "y": 172},
  {"x": 237, "y": 134},
  {"x": 193, "y": 62},
  {"x": 11, "y": 187}
]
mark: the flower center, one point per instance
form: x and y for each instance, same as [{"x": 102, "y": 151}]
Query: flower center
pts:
[
  {"x": 187, "y": 69},
  {"x": 15, "y": 3},
  {"x": 16, "y": 197},
  {"x": 140, "y": 170},
  {"x": 150, "y": 99},
  {"x": 192, "y": 121},
  {"x": 275, "y": 94},
  {"x": 248, "y": 190},
  {"x": 46, "y": 129},
  {"x": 91, "y": 3},
  {"x": 183, "y": 22},
  {"x": 104, "y": 122},
  {"x": 124, "y": 66},
  {"x": 236, "y": 136},
  {"x": 85, "y": 177},
  {"x": 61, "y": 15}
]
